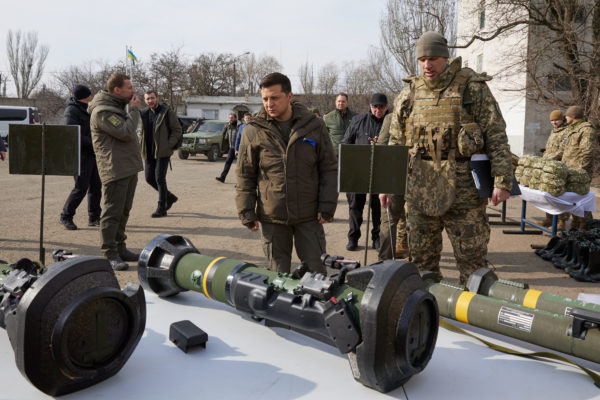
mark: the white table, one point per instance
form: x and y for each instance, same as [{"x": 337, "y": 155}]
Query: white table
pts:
[{"x": 245, "y": 360}]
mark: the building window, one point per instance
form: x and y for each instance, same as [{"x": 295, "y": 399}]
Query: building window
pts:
[
  {"x": 210, "y": 114},
  {"x": 479, "y": 67},
  {"x": 482, "y": 15}
]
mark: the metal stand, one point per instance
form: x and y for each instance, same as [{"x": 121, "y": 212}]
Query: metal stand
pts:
[
  {"x": 540, "y": 229},
  {"x": 503, "y": 220},
  {"x": 42, "y": 249}
]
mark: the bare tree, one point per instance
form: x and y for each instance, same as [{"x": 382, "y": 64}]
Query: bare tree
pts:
[
  {"x": 307, "y": 78},
  {"x": 210, "y": 74},
  {"x": 562, "y": 63},
  {"x": 168, "y": 75},
  {"x": 328, "y": 79},
  {"x": 26, "y": 59},
  {"x": 253, "y": 69}
]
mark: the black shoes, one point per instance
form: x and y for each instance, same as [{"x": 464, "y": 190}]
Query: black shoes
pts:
[
  {"x": 376, "y": 244},
  {"x": 161, "y": 211},
  {"x": 94, "y": 222},
  {"x": 171, "y": 198},
  {"x": 351, "y": 245},
  {"x": 68, "y": 223},
  {"x": 220, "y": 179},
  {"x": 117, "y": 263},
  {"x": 128, "y": 255}
]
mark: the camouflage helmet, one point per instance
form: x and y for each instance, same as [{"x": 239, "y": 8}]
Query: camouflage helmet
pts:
[{"x": 432, "y": 44}]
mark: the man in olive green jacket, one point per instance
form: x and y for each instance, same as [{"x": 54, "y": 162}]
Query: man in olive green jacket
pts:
[
  {"x": 337, "y": 121},
  {"x": 287, "y": 174},
  {"x": 118, "y": 157},
  {"x": 161, "y": 131}
]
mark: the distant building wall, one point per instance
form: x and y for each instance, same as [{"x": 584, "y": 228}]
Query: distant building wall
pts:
[{"x": 219, "y": 107}]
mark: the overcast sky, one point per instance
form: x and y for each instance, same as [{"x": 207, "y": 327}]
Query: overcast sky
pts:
[{"x": 82, "y": 31}]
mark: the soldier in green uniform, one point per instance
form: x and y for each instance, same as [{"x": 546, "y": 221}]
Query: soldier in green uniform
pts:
[
  {"x": 337, "y": 121},
  {"x": 554, "y": 150},
  {"x": 445, "y": 115},
  {"x": 118, "y": 157},
  {"x": 582, "y": 140}
]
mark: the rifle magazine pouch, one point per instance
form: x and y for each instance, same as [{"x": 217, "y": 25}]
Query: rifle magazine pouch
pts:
[{"x": 470, "y": 139}]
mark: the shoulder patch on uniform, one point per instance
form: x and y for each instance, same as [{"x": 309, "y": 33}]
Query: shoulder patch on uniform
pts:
[{"x": 115, "y": 121}]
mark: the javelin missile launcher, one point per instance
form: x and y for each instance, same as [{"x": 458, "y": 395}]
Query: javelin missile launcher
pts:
[
  {"x": 381, "y": 315},
  {"x": 69, "y": 324}
]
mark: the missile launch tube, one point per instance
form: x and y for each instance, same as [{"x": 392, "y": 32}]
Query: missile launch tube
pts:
[
  {"x": 381, "y": 315},
  {"x": 485, "y": 282},
  {"x": 542, "y": 328}
]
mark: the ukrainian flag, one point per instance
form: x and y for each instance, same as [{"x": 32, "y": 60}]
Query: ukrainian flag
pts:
[{"x": 132, "y": 56}]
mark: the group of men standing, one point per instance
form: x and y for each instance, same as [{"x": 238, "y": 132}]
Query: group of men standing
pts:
[
  {"x": 111, "y": 157},
  {"x": 572, "y": 141},
  {"x": 287, "y": 164}
]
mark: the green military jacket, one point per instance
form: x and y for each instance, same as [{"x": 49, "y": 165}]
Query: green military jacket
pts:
[
  {"x": 580, "y": 144},
  {"x": 481, "y": 104},
  {"x": 167, "y": 132},
  {"x": 556, "y": 142},
  {"x": 114, "y": 136},
  {"x": 286, "y": 184},
  {"x": 337, "y": 123}
]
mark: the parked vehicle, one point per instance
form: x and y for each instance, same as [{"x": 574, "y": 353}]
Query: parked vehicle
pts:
[
  {"x": 16, "y": 115},
  {"x": 207, "y": 138},
  {"x": 186, "y": 122}
]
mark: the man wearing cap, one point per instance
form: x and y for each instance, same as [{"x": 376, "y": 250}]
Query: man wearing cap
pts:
[
  {"x": 88, "y": 180},
  {"x": 364, "y": 129},
  {"x": 554, "y": 150},
  {"x": 337, "y": 121},
  {"x": 579, "y": 151},
  {"x": 445, "y": 115}
]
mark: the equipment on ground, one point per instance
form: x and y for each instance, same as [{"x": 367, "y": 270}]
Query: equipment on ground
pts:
[
  {"x": 381, "y": 315},
  {"x": 70, "y": 325}
]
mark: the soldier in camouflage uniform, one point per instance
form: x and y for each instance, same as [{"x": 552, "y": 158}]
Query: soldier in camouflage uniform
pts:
[
  {"x": 581, "y": 142},
  {"x": 554, "y": 150},
  {"x": 445, "y": 115}
]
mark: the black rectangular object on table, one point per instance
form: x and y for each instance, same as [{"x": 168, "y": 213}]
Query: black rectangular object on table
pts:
[{"x": 184, "y": 334}]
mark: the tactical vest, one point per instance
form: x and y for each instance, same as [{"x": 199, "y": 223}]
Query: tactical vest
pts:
[
  {"x": 433, "y": 126},
  {"x": 440, "y": 132}
]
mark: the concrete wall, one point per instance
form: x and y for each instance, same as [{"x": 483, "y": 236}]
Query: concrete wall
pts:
[{"x": 204, "y": 106}]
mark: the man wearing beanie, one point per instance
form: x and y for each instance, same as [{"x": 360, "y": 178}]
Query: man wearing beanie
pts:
[
  {"x": 364, "y": 129},
  {"x": 445, "y": 115},
  {"x": 554, "y": 150},
  {"x": 88, "y": 180},
  {"x": 579, "y": 152}
]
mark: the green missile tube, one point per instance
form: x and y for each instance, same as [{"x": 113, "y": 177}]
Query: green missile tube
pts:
[
  {"x": 577, "y": 335},
  {"x": 381, "y": 316},
  {"x": 485, "y": 282}
]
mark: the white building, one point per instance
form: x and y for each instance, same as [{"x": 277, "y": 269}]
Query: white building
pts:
[
  {"x": 527, "y": 121},
  {"x": 219, "y": 107}
]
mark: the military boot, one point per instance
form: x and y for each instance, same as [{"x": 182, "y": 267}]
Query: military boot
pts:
[
  {"x": 401, "y": 249},
  {"x": 583, "y": 258},
  {"x": 554, "y": 241},
  {"x": 171, "y": 198},
  {"x": 161, "y": 210},
  {"x": 591, "y": 271},
  {"x": 555, "y": 250},
  {"x": 561, "y": 262}
]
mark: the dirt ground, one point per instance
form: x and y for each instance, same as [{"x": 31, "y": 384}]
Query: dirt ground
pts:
[{"x": 206, "y": 214}]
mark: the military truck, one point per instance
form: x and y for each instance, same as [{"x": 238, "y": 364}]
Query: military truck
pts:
[{"x": 206, "y": 137}]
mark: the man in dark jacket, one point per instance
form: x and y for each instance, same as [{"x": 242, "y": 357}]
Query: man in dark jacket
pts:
[
  {"x": 287, "y": 173},
  {"x": 230, "y": 132},
  {"x": 161, "y": 131},
  {"x": 118, "y": 157},
  {"x": 364, "y": 129},
  {"x": 88, "y": 180}
]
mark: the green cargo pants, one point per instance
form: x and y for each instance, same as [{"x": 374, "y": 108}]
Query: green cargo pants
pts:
[{"x": 118, "y": 199}]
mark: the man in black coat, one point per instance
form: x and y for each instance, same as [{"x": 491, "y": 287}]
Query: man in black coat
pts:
[
  {"x": 88, "y": 181},
  {"x": 364, "y": 129}
]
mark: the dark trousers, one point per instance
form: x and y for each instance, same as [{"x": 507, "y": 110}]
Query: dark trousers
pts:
[
  {"x": 357, "y": 201},
  {"x": 118, "y": 199},
  {"x": 88, "y": 182},
  {"x": 156, "y": 176},
  {"x": 228, "y": 162}
]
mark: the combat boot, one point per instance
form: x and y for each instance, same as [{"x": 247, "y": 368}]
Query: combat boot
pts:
[
  {"x": 171, "y": 198},
  {"x": 561, "y": 262},
  {"x": 401, "y": 249},
  {"x": 577, "y": 261},
  {"x": 591, "y": 272},
  {"x": 161, "y": 210},
  {"x": 68, "y": 223},
  {"x": 555, "y": 250},
  {"x": 554, "y": 241},
  {"x": 583, "y": 260}
]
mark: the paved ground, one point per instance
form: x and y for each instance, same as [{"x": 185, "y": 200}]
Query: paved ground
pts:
[{"x": 206, "y": 215}]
